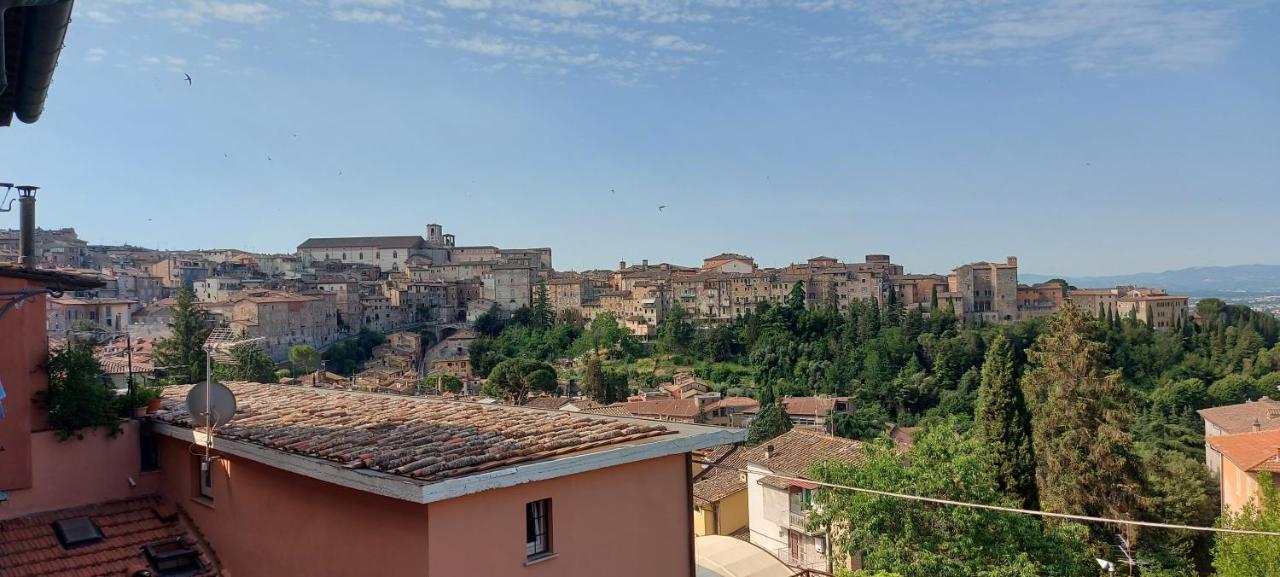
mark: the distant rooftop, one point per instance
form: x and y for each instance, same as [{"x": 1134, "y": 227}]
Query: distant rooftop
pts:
[
  {"x": 363, "y": 241},
  {"x": 443, "y": 449}
]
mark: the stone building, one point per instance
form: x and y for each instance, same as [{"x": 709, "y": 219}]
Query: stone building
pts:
[
  {"x": 988, "y": 291},
  {"x": 511, "y": 286},
  {"x": 282, "y": 319},
  {"x": 1159, "y": 310}
]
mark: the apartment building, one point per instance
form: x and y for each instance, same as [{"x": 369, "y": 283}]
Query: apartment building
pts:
[
  {"x": 216, "y": 289},
  {"x": 779, "y": 497},
  {"x": 107, "y": 314}
]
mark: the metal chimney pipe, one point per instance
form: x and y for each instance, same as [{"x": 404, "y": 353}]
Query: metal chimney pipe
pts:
[{"x": 27, "y": 226}]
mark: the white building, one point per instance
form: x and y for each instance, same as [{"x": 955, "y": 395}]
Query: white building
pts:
[{"x": 778, "y": 509}]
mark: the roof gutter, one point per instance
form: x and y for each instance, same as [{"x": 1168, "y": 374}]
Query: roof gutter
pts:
[{"x": 44, "y": 28}]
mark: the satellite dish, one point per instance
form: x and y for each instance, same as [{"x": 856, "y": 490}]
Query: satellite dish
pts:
[{"x": 221, "y": 404}]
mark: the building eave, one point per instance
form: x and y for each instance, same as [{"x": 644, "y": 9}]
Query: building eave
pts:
[{"x": 688, "y": 438}]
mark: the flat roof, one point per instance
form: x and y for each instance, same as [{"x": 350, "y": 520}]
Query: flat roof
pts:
[{"x": 422, "y": 449}]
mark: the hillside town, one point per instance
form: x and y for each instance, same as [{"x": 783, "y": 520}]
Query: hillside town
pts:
[{"x": 404, "y": 405}]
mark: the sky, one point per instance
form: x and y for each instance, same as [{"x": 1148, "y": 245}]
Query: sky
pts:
[{"x": 1085, "y": 137}]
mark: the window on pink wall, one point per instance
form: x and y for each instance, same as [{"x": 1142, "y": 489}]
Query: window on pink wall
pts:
[{"x": 537, "y": 516}]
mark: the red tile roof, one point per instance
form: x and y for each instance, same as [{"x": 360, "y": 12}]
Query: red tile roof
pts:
[
  {"x": 1250, "y": 451},
  {"x": 29, "y": 547},
  {"x": 422, "y": 438},
  {"x": 714, "y": 483},
  {"x": 1240, "y": 418},
  {"x": 797, "y": 450}
]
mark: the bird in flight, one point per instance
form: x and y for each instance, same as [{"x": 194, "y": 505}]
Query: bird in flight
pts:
[
  {"x": 612, "y": 191},
  {"x": 268, "y": 157},
  {"x": 188, "y": 78},
  {"x": 339, "y": 172},
  {"x": 661, "y": 206},
  {"x": 295, "y": 135}
]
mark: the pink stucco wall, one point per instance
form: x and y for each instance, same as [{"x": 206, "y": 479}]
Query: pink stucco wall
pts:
[
  {"x": 79, "y": 472},
  {"x": 22, "y": 350},
  {"x": 631, "y": 520},
  {"x": 265, "y": 521}
]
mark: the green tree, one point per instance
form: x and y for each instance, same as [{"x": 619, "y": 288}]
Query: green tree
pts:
[
  {"x": 675, "y": 332},
  {"x": 182, "y": 354},
  {"x": 443, "y": 382},
  {"x": 770, "y": 422},
  {"x": 917, "y": 539},
  {"x": 1004, "y": 424},
  {"x": 1251, "y": 555},
  {"x": 543, "y": 316},
  {"x": 1081, "y": 414},
  {"x": 514, "y": 379},
  {"x": 304, "y": 359},
  {"x": 77, "y": 398},
  {"x": 796, "y": 298},
  {"x": 248, "y": 363},
  {"x": 865, "y": 423},
  {"x": 593, "y": 382}
]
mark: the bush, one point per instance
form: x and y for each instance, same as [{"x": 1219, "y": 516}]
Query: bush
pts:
[{"x": 77, "y": 398}]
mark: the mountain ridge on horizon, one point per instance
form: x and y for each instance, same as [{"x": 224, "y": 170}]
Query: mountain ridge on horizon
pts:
[{"x": 1241, "y": 278}]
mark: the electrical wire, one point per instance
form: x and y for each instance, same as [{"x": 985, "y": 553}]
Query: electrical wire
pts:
[{"x": 1085, "y": 518}]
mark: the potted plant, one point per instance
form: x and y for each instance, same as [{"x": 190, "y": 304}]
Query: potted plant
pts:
[{"x": 150, "y": 398}]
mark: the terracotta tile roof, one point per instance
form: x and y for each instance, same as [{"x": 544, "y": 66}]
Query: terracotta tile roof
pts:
[
  {"x": 809, "y": 406},
  {"x": 1250, "y": 451},
  {"x": 547, "y": 402},
  {"x": 668, "y": 408},
  {"x": 734, "y": 404},
  {"x": 1240, "y": 418},
  {"x": 609, "y": 410},
  {"x": 422, "y": 438},
  {"x": 797, "y": 450},
  {"x": 29, "y": 547},
  {"x": 715, "y": 483}
]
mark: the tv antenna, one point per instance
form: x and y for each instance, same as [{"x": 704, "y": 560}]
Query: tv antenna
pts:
[{"x": 210, "y": 402}]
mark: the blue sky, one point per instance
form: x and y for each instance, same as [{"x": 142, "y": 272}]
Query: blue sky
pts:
[{"x": 1086, "y": 137}]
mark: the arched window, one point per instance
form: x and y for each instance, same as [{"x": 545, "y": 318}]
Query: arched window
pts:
[{"x": 395, "y": 254}]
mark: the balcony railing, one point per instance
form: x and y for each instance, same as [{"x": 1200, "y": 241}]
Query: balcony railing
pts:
[{"x": 801, "y": 559}]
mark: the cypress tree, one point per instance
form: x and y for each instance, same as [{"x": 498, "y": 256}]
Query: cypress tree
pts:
[
  {"x": 182, "y": 353},
  {"x": 933, "y": 299},
  {"x": 1081, "y": 418},
  {"x": 1004, "y": 424}
]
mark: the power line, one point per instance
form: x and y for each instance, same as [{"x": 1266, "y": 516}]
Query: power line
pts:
[{"x": 936, "y": 500}]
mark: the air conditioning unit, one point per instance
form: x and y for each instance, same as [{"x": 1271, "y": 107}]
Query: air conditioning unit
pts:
[{"x": 820, "y": 544}]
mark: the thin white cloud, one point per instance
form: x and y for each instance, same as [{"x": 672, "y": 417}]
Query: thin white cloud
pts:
[
  {"x": 673, "y": 42},
  {"x": 95, "y": 54},
  {"x": 367, "y": 16},
  {"x": 198, "y": 12}
]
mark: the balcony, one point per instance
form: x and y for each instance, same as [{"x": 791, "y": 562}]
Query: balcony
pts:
[{"x": 801, "y": 559}]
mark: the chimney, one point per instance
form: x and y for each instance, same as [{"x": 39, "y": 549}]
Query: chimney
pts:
[
  {"x": 768, "y": 451},
  {"x": 1257, "y": 425},
  {"x": 644, "y": 264},
  {"x": 1011, "y": 260},
  {"x": 622, "y": 265},
  {"x": 27, "y": 218}
]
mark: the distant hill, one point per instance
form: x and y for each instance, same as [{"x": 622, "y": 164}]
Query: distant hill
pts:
[{"x": 1194, "y": 281}]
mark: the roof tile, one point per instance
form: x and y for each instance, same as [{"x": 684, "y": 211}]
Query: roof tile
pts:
[{"x": 422, "y": 438}]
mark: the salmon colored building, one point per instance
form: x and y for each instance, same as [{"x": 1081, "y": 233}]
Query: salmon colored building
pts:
[
  {"x": 1242, "y": 457},
  {"x": 306, "y": 481}
]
